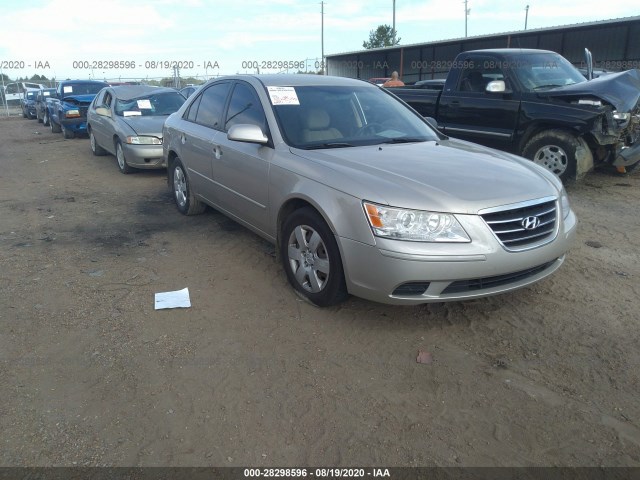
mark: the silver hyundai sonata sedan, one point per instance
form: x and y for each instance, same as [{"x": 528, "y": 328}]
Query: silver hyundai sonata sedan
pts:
[{"x": 361, "y": 195}]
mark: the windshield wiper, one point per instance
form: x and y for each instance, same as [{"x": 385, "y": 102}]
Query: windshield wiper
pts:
[
  {"x": 548, "y": 86},
  {"x": 402, "y": 140},
  {"x": 328, "y": 145}
]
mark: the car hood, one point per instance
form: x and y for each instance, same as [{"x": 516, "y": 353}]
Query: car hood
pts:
[
  {"x": 79, "y": 99},
  {"x": 448, "y": 175},
  {"x": 622, "y": 90},
  {"x": 151, "y": 126}
]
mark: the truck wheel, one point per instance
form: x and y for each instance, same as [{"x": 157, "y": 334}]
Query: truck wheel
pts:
[
  {"x": 67, "y": 133},
  {"x": 55, "y": 128},
  {"x": 311, "y": 258},
  {"x": 556, "y": 151},
  {"x": 122, "y": 161}
]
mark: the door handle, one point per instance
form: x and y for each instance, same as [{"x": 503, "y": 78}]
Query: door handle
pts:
[{"x": 217, "y": 151}]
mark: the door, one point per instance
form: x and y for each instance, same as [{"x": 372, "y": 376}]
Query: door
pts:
[
  {"x": 241, "y": 170},
  {"x": 102, "y": 126},
  {"x": 202, "y": 126},
  {"x": 471, "y": 113}
]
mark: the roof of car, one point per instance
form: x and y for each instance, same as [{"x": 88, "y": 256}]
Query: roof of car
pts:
[
  {"x": 298, "y": 80},
  {"x": 510, "y": 51},
  {"x": 129, "y": 92}
]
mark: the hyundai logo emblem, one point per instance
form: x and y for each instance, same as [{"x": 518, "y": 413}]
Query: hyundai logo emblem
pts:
[{"x": 531, "y": 223}]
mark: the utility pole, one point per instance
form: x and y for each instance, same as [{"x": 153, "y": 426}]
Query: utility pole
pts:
[
  {"x": 324, "y": 67},
  {"x": 393, "y": 42},
  {"x": 526, "y": 16},
  {"x": 466, "y": 14}
]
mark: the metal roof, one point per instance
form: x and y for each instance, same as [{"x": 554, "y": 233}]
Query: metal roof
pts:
[{"x": 598, "y": 23}]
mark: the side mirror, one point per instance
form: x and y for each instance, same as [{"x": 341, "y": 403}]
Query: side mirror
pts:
[
  {"x": 432, "y": 121},
  {"x": 103, "y": 112},
  {"x": 497, "y": 86},
  {"x": 244, "y": 132}
]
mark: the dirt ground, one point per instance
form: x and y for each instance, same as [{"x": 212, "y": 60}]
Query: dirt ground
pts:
[{"x": 250, "y": 375}]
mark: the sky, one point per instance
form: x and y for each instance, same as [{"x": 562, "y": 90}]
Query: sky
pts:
[{"x": 78, "y": 38}]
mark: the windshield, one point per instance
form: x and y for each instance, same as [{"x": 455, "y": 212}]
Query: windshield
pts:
[
  {"x": 82, "y": 89},
  {"x": 345, "y": 116},
  {"x": 150, "y": 105},
  {"x": 544, "y": 71}
]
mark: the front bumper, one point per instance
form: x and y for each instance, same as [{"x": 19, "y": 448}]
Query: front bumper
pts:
[
  {"x": 449, "y": 272},
  {"x": 628, "y": 156},
  {"x": 76, "y": 125},
  {"x": 144, "y": 156}
]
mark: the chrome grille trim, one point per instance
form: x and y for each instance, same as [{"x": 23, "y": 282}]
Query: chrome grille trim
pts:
[{"x": 505, "y": 223}]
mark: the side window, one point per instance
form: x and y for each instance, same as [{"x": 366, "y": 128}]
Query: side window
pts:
[
  {"x": 477, "y": 74},
  {"x": 245, "y": 107},
  {"x": 212, "y": 104},
  {"x": 190, "y": 114},
  {"x": 107, "y": 99},
  {"x": 98, "y": 100}
]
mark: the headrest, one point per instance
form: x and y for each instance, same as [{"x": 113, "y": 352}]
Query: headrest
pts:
[{"x": 317, "y": 119}]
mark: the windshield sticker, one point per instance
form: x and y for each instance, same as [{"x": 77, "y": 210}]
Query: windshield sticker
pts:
[
  {"x": 146, "y": 103},
  {"x": 68, "y": 89},
  {"x": 131, "y": 113},
  {"x": 283, "y": 96}
]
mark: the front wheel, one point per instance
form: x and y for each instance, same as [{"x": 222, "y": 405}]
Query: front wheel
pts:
[
  {"x": 55, "y": 128},
  {"x": 69, "y": 134},
  {"x": 311, "y": 258},
  {"x": 557, "y": 151},
  {"x": 186, "y": 202},
  {"x": 123, "y": 166}
]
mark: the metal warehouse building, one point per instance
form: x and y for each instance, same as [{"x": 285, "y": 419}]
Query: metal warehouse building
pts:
[{"x": 615, "y": 45}]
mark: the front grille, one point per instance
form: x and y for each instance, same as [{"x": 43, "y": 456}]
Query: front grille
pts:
[
  {"x": 509, "y": 225},
  {"x": 464, "y": 286},
  {"x": 83, "y": 111}
]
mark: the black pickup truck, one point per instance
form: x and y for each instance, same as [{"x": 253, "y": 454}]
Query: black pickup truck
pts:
[{"x": 534, "y": 103}]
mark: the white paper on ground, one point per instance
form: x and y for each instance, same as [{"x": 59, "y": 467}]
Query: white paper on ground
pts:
[{"x": 177, "y": 299}]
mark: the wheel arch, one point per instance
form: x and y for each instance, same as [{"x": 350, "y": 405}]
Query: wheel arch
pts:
[
  {"x": 291, "y": 205},
  {"x": 538, "y": 127}
]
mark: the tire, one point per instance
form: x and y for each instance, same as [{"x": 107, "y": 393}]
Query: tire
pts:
[
  {"x": 55, "y": 128},
  {"x": 123, "y": 166},
  {"x": 635, "y": 168},
  {"x": 69, "y": 134},
  {"x": 96, "y": 149},
  {"x": 556, "y": 151},
  {"x": 311, "y": 258},
  {"x": 45, "y": 119},
  {"x": 186, "y": 202}
]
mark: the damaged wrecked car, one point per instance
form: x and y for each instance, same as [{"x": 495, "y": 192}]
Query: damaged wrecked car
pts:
[{"x": 538, "y": 105}]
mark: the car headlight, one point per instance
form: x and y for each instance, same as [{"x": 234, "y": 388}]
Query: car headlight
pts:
[
  {"x": 564, "y": 203},
  {"x": 622, "y": 118},
  {"x": 414, "y": 225},
  {"x": 72, "y": 113},
  {"x": 144, "y": 140}
]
